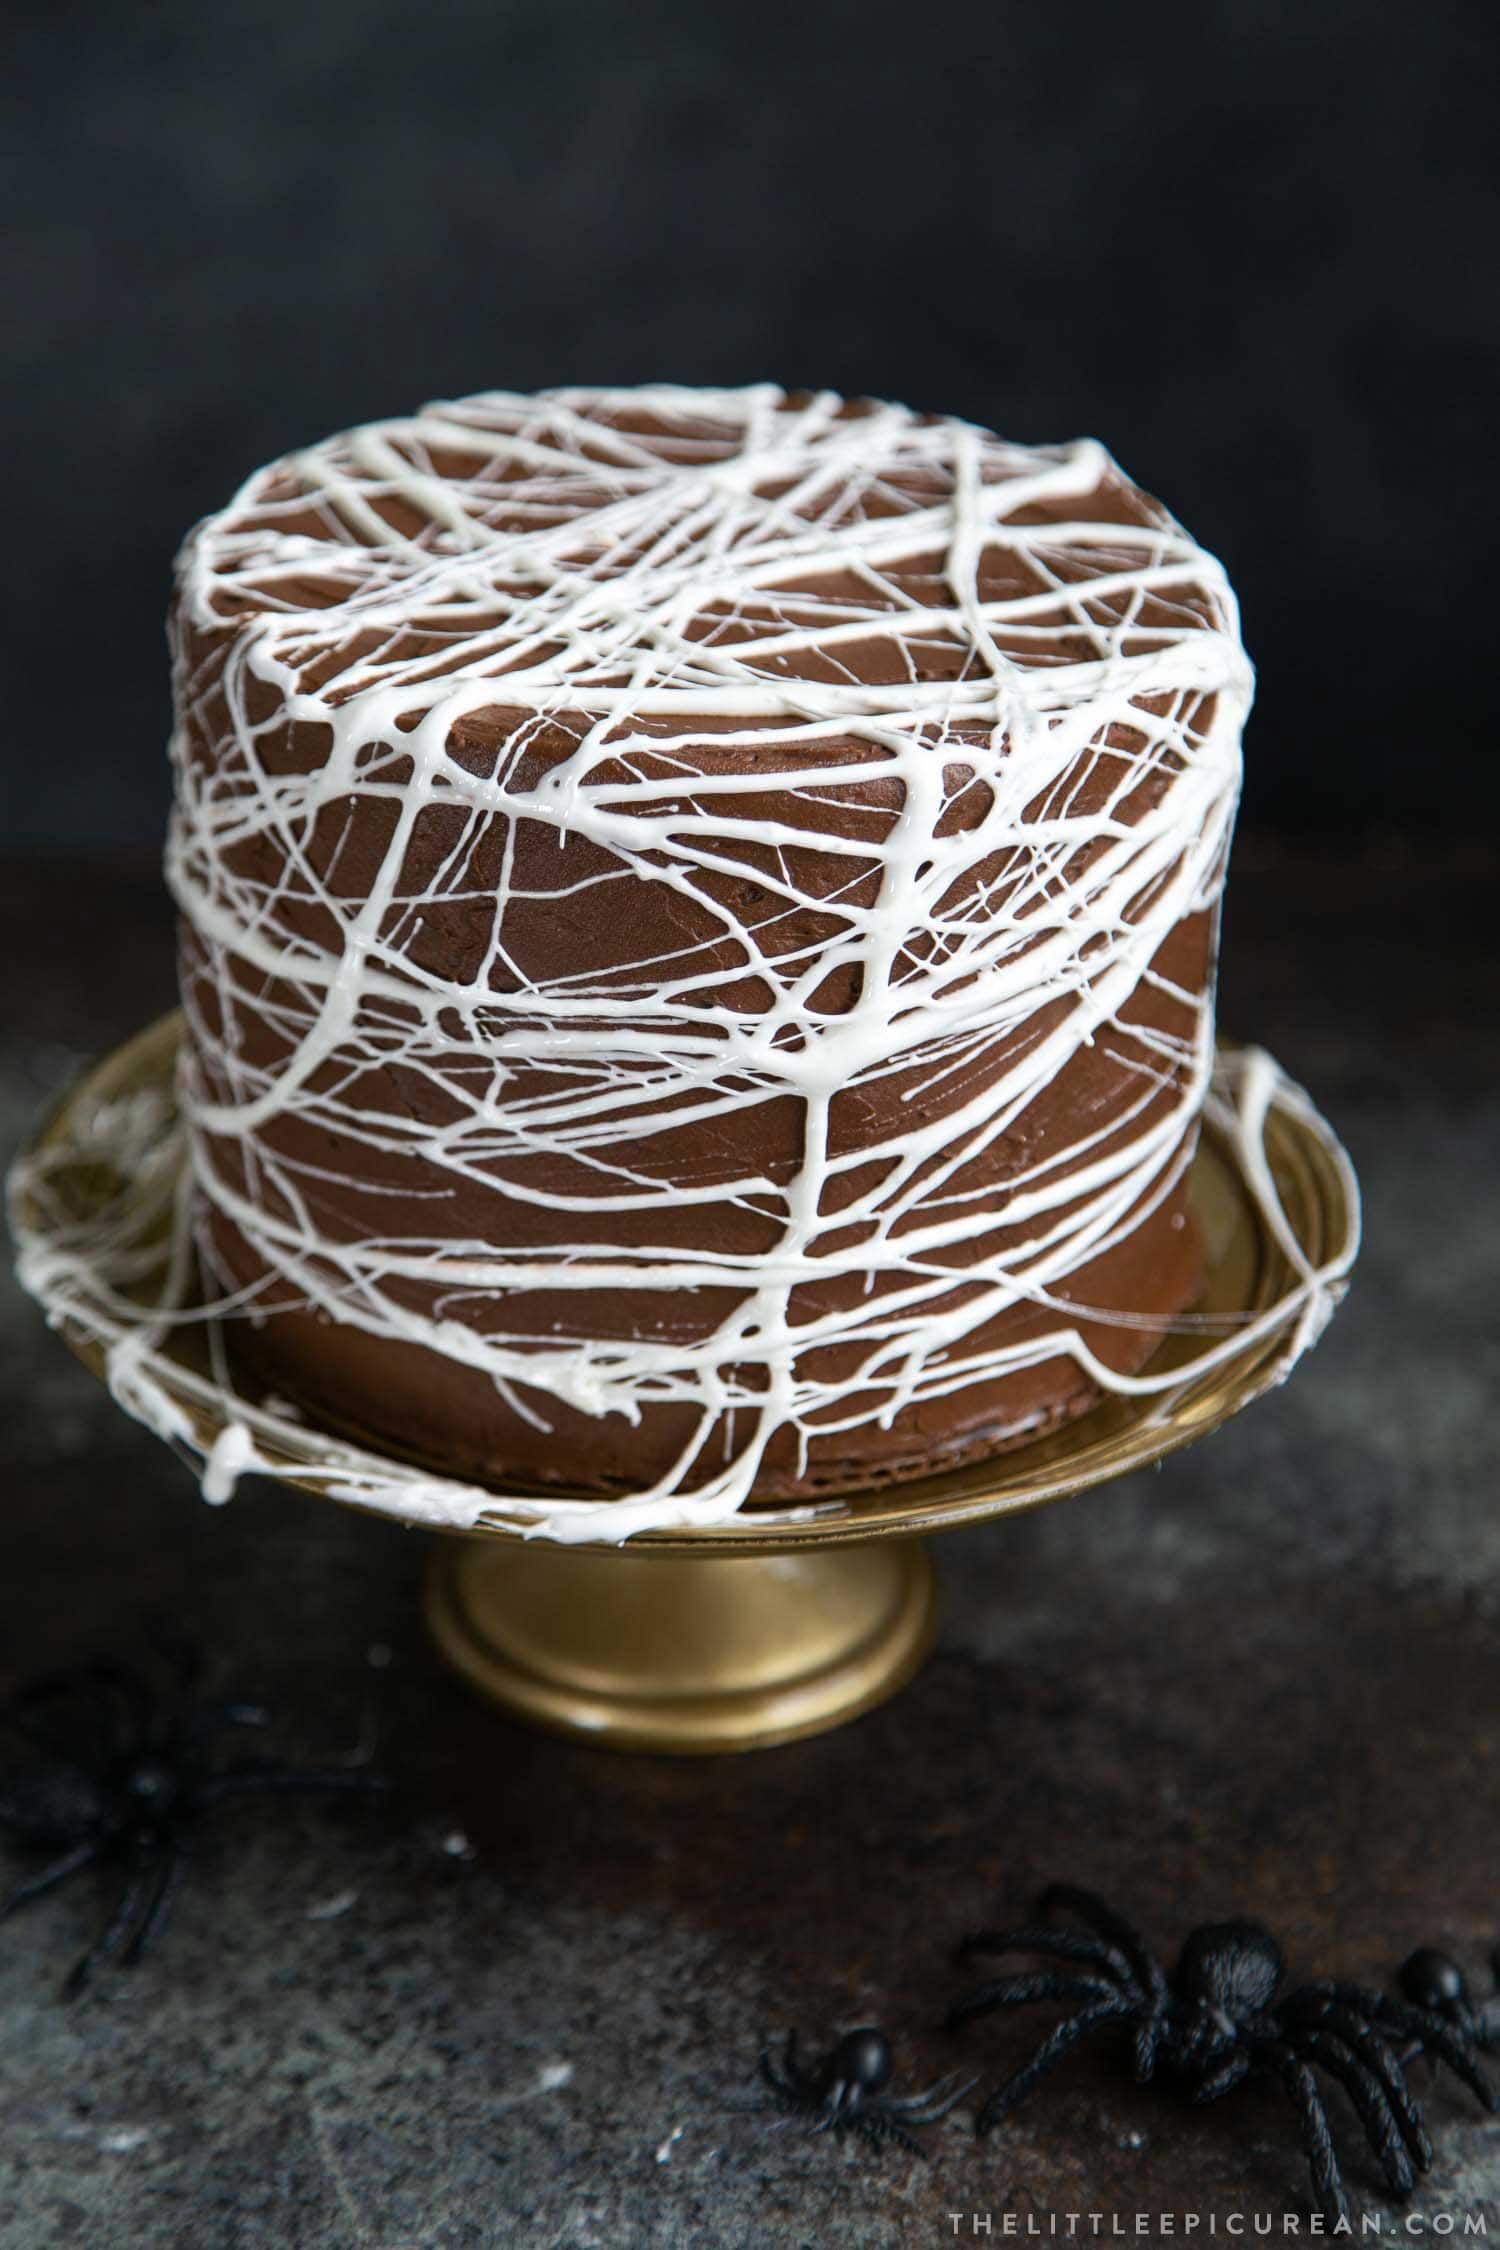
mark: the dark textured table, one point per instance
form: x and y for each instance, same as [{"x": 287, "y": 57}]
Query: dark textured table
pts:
[{"x": 527, "y": 2006}]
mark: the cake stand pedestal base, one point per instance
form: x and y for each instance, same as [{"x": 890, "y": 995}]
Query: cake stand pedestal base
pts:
[{"x": 645, "y": 1651}]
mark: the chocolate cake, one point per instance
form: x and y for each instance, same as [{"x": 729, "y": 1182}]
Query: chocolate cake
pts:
[{"x": 698, "y": 915}]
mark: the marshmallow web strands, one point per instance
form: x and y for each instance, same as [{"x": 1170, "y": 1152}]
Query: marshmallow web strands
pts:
[
  {"x": 100, "y": 1212},
  {"x": 727, "y": 635}
]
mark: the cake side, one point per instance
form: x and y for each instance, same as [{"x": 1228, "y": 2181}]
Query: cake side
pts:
[{"x": 698, "y": 920}]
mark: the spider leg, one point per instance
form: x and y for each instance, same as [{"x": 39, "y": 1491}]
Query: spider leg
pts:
[
  {"x": 127, "y": 1911},
  {"x": 36, "y": 1886},
  {"x": 1058, "y": 2043},
  {"x": 839, "y": 2104},
  {"x": 1297, "y": 2078},
  {"x": 927, "y": 2108},
  {"x": 1063, "y": 1945},
  {"x": 1028, "y": 1984},
  {"x": 878, "y": 2127},
  {"x": 162, "y": 1891},
  {"x": 1436, "y": 2035},
  {"x": 773, "y": 2078},
  {"x": 789, "y": 2080},
  {"x": 284, "y": 1781},
  {"x": 1487, "y": 2013},
  {"x": 1122, "y": 1935},
  {"x": 1349, "y": 2026},
  {"x": 1148, "y": 2038},
  {"x": 1227, "y": 2076},
  {"x": 1384, "y": 2130}
]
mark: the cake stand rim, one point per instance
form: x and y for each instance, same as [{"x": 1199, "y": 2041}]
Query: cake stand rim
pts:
[{"x": 1074, "y": 1458}]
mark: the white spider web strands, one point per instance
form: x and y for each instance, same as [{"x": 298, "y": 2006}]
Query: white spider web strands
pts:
[{"x": 675, "y": 585}]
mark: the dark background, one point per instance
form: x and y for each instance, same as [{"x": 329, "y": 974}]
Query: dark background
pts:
[{"x": 1250, "y": 246}]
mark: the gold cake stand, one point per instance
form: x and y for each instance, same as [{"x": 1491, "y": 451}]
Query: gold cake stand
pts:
[{"x": 750, "y": 1633}]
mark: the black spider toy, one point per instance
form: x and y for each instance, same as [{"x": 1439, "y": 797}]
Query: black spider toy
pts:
[
  {"x": 1434, "y": 1980},
  {"x": 1217, "y": 2019},
  {"x": 845, "y": 2092},
  {"x": 99, "y": 1765}
]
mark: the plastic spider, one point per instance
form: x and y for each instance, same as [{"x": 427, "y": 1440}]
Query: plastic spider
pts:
[
  {"x": 1220, "y": 2017},
  {"x": 99, "y": 1765},
  {"x": 845, "y": 2092},
  {"x": 1433, "y": 1980}
]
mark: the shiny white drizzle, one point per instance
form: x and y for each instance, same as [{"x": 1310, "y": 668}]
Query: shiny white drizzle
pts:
[{"x": 592, "y": 615}]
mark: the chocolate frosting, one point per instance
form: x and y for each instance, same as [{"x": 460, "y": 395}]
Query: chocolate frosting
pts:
[{"x": 600, "y": 815}]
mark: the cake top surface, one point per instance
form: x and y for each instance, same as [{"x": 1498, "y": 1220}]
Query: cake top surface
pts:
[{"x": 733, "y": 555}]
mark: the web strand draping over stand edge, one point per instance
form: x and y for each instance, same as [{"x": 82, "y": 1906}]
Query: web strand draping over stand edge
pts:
[{"x": 679, "y": 611}]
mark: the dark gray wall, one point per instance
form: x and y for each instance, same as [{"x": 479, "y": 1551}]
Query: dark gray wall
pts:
[{"x": 1252, "y": 247}]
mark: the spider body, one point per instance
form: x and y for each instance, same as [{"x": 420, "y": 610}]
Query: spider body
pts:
[
  {"x": 846, "y": 2090},
  {"x": 1221, "y": 2016},
  {"x": 100, "y": 1767}
]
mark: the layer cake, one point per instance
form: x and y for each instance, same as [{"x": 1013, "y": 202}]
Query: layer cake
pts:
[{"x": 698, "y": 914}]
